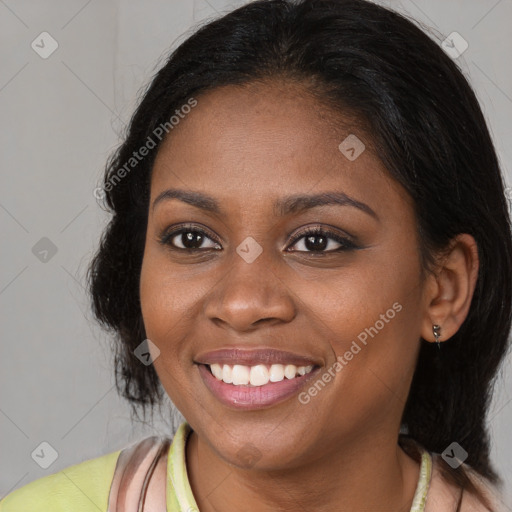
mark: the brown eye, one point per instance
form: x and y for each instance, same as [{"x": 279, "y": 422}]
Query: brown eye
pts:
[
  {"x": 319, "y": 240},
  {"x": 189, "y": 238}
]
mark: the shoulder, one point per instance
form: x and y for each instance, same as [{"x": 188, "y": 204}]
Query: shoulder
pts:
[
  {"x": 444, "y": 495},
  {"x": 488, "y": 490},
  {"x": 83, "y": 487}
]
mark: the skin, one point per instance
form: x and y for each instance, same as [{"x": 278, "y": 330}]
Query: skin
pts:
[{"x": 247, "y": 147}]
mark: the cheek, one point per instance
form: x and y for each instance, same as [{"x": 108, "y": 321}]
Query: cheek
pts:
[
  {"x": 370, "y": 317},
  {"x": 164, "y": 306},
  {"x": 165, "y": 309},
  {"x": 349, "y": 303},
  {"x": 164, "y": 296}
]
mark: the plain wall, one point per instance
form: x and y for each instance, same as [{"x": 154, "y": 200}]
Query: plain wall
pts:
[{"x": 60, "y": 118}]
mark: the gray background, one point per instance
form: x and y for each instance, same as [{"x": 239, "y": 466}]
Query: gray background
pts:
[{"x": 60, "y": 118}]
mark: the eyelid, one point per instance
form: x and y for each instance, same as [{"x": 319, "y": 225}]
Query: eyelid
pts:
[{"x": 326, "y": 229}]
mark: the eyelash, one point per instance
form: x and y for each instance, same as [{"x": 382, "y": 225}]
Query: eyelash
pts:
[{"x": 346, "y": 244}]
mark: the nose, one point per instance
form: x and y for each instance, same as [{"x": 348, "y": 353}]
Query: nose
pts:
[{"x": 250, "y": 294}]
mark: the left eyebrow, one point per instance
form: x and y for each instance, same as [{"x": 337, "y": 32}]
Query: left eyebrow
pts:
[
  {"x": 299, "y": 203},
  {"x": 282, "y": 207}
]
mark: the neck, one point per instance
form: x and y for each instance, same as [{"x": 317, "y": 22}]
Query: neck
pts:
[{"x": 364, "y": 476}]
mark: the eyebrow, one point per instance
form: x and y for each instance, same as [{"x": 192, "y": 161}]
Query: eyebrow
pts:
[{"x": 291, "y": 204}]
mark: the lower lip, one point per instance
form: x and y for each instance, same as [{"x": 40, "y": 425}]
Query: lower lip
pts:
[{"x": 253, "y": 397}]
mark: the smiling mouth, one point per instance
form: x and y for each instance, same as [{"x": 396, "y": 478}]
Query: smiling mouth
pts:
[
  {"x": 258, "y": 375},
  {"x": 243, "y": 395},
  {"x": 259, "y": 378}
]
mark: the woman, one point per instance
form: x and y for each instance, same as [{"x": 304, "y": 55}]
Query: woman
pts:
[{"x": 310, "y": 252}]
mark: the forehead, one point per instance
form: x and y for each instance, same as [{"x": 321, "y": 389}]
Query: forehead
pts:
[
  {"x": 278, "y": 115},
  {"x": 262, "y": 140}
]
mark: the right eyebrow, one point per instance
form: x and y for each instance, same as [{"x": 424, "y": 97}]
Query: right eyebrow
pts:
[{"x": 197, "y": 199}]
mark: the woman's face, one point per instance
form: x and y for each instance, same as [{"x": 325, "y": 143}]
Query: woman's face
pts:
[{"x": 256, "y": 283}]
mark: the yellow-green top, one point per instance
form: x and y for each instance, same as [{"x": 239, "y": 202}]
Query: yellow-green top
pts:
[{"x": 85, "y": 487}]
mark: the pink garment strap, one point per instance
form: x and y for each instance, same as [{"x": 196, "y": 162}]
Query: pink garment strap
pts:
[{"x": 139, "y": 481}]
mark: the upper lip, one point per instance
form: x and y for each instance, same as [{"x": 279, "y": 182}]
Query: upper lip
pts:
[{"x": 254, "y": 357}]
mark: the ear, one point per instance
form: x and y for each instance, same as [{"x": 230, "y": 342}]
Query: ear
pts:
[{"x": 450, "y": 288}]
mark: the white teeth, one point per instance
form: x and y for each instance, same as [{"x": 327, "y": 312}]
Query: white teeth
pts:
[
  {"x": 276, "y": 373},
  {"x": 226, "y": 374},
  {"x": 304, "y": 369},
  {"x": 289, "y": 371},
  {"x": 258, "y": 375},
  {"x": 216, "y": 370},
  {"x": 240, "y": 374}
]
